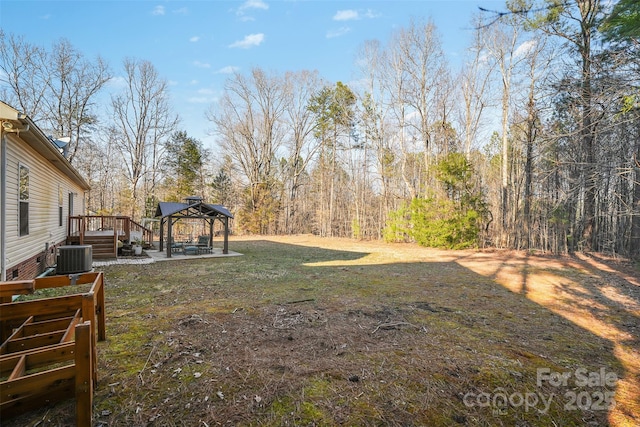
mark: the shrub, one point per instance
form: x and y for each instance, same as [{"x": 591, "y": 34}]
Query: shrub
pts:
[{"x": 452, "y": 221}]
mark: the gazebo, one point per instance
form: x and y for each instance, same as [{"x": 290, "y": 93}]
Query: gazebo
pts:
[{"x": 193, "y": 208}]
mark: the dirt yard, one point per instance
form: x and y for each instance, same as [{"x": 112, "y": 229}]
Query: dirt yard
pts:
[{"x": 304, "y": 331}]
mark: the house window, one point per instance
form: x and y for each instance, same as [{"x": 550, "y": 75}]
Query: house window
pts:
[
  {"x": 60, "y": 205},
  {"x": 24, "y": 200}
]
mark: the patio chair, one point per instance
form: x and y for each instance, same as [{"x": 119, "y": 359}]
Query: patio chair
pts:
[
  {"x": 176, "y": 247},
  {"x": 203, "y": 245}
]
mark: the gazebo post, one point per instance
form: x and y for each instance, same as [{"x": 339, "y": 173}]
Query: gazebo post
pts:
[
  {"x": 161, "y": 235},
  {"x": 225, "y": 247},
  {"x": 169, "y": 243}
]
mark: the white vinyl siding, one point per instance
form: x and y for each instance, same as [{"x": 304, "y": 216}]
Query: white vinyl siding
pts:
[{"x": 45, "y": 184}]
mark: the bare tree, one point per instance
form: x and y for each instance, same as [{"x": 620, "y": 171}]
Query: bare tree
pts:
[
  {"x": 142, "y": 121},
  {"x": 394, "y": 82},
  {"x": 576, "y": 23},
  {"x": 73, "y": 85},
  {"x": 100, "y": 164},
  {"x": 501, "y": 42},
  {"x": 22, "y": 78},
  {"x": 426, "y": 69},
  {"x": 527, "y": 135},
  {"x": 247, "y": 121},
  {"x": 57, "y": 88},
  {"x": 300, "y": 144},
  {"x": 373, "y": 128},
  {"x": 413, "y": 74},
  {"x": 475, "y": 89}
]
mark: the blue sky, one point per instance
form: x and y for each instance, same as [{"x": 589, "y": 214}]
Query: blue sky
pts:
[{"x": 195, "y": 44}]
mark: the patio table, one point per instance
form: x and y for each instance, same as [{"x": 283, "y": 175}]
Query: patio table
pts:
[{"x": 190, "y": 250}]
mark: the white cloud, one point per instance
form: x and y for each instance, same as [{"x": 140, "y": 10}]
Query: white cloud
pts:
[
  {"x": 252, "y": 4},
  {"x": 372, "y": 14},
  {"x": 354, "y": 15},
  {"x": 158, "y": 10},
  {"x": 194, "y": 39},
  {"x": 117, "y": 82},
  {"x": 229, "y": 69},
  {"x": 201, "y": 64},
  {"x": 181, "y": 11},
  {"x": 338, "y": 33},
  {"x": 194, "y": 82},
  {"x": 203, "y": 95},
  {"x": 346, "y": 15},
  {"x": 249, "y": 41},
  {"x": 524, "y": 48}
]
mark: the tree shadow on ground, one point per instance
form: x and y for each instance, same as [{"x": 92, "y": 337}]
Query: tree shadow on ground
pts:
[{"x": 599, "y": 294}]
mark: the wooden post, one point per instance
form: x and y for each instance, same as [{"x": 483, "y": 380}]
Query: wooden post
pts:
[
  {"x": 161, "y": 247},
  {"x": 84, "y": 373},
  {"x": 225, "y": 247},
  {"x": 89, "y": 314},
  {"x": 169, "y": 234},
  {"x": 100, "y": 309},
  {"x": 81, "y": 229}
]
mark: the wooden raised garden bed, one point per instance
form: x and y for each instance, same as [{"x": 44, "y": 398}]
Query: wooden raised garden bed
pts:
[{"x": 48, "y": 351}]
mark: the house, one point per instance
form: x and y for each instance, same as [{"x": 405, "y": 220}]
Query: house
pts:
[{"x": 39, "y": 190}]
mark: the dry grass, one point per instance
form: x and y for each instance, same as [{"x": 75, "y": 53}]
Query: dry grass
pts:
[{"x": 309, "y": 331}]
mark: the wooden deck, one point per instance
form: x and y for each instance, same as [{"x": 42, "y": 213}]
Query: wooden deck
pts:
[{"x": 104, "y": 232}]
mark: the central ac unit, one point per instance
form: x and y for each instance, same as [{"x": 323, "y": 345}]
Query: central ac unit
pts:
[{"x": 74, "y": 259}]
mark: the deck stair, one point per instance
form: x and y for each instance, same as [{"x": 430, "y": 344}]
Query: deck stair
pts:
[{"x": 103, "y": 246}]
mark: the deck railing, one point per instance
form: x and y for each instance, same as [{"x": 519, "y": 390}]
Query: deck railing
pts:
[{"x": 122, "y": 226}]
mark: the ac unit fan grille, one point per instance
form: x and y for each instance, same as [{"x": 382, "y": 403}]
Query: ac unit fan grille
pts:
[{"x": 74, "y": 259}]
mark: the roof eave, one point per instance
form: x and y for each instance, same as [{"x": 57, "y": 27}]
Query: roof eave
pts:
[{"x": 30, "y": 133}]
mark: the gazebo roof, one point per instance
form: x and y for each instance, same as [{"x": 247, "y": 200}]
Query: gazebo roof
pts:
[{"x": 191, "y": 210}]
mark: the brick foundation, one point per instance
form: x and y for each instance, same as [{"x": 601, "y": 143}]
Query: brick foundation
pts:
[{"x": 32, "y": 267}]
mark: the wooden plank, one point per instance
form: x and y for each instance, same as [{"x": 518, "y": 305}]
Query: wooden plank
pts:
[
  {"x": 46, "y": 326},
  {"x": 22, "y": 310},
  {"x": 19, "y": 332},
  {"x": 19, "y": 369},
  {"x": 58, "y": 392},
  {"x": 65, "y": 280},
  {"x": 34, "y": 341},
  {"x": 17, "y": 287},
  {"x": 38, "y": 358},
  {"x": 70, "y": 331},
  {"x": 84, "y": 374},
  {"x": 7, "y": 365},
  {"x": 45, "y": 380}
]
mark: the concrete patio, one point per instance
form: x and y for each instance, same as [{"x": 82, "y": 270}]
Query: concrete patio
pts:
[{"x": 149, "y": 256}]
